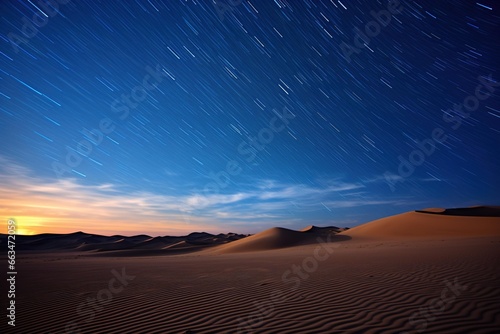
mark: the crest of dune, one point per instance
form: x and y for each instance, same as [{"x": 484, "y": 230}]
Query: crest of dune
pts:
[{"x": 276, "y": 237}]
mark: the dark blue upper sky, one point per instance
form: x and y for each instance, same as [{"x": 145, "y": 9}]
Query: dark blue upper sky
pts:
[{"x": 167, "y": 116}]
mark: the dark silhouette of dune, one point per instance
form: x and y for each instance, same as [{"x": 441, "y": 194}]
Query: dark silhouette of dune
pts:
[
  {"x": 475, "y": 211},
  {"x": 316, "y": 229},
  {"x": 138, "y": 244}
]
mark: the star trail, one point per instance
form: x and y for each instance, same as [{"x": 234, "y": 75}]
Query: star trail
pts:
[{"x": 162, "y": 117}]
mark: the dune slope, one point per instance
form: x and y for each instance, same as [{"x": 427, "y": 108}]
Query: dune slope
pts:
[
  {"x": 277, "y": 237},
  {"x": 429, "y": 224}
]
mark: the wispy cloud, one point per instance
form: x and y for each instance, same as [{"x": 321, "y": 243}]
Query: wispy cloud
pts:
[
  {"x": 391, "y": 177},
  {"x": 67, "y": 205},
  {"x": 200, "y": 201}
]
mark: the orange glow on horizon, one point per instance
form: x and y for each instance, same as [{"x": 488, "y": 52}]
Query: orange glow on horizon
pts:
[
  {"x": 29, "y": 225},
  {"x": 66, "y": 206}
]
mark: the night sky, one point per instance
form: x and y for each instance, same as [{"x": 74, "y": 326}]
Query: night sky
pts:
[{"x": 166, "y": 117}]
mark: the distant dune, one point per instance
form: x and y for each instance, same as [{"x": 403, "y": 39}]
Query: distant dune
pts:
[
  {"x": 278, "y": 237},
  {"x": 134, "y": 245}
]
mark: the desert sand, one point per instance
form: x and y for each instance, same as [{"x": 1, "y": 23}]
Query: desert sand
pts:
[{"x": 431, "y": 271}]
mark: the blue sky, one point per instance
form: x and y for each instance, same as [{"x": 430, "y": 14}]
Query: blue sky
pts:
[{"x": 164, "y": 117}]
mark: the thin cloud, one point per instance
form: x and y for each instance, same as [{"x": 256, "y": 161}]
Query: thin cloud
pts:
[{"x": 66, "y": 205}]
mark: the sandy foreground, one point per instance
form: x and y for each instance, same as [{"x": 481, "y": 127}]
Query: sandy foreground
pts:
[{"x": 389, "y": 276}]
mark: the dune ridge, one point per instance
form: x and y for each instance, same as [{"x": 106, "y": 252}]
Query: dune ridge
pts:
[
  {"x": 474, "y": 211},
  {"x": 84, "y": 242},
  {"x": 278, "y": 237},
  {"x": 432, "y": 223}
]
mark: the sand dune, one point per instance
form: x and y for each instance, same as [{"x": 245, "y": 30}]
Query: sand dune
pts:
[
  {"x": 431, "y": 224},
  {"x": 113, "y": 245},
  {"x": 278, "y": 237},
  {"x": 84, "y": 242},
  {"x": 328, "y": 229},
  {"x": 475, "y": 211},
  {"x": 272, "y": 238}
]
